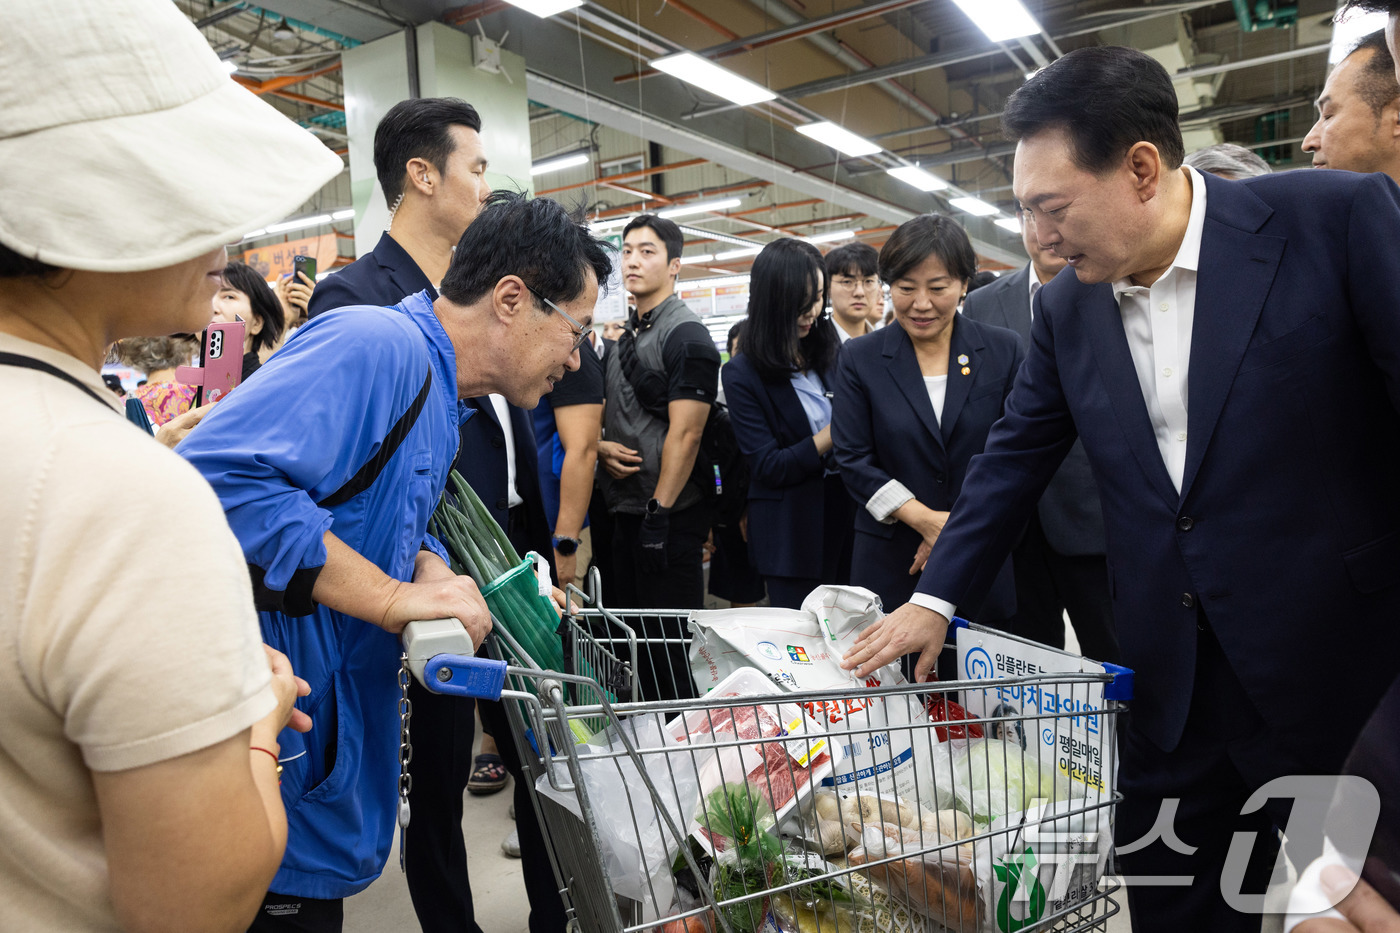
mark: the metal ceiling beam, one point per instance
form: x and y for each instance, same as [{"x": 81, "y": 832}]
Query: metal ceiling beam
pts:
[
  {"x": 1204, "y": 70},
  {"x": 553, "y": 93},
  {"x": 622, "y": 176}
]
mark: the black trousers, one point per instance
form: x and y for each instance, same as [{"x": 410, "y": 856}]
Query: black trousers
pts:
[
  {"x": 287, "y": 913},
  {"x": 1049, "y": 584},
  {"x": 443, "y": 729},
  {"x": 1226, "y": 752},
  {"x": 663, "y": 662}
]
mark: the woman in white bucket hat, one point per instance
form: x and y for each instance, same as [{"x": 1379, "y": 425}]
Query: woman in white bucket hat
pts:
[{"x": 139, "y": 712}]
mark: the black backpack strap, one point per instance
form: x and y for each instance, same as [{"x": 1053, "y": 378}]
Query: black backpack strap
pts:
[
  {"x": 648, "y": 385},
  {"x": 368, "y": 473},
  {"x": 28, "y": 362}
]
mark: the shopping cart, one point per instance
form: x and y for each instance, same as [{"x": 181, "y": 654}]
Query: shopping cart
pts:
[{"x": 657, "y": 817}]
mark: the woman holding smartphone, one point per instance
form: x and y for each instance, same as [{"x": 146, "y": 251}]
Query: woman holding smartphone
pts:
[
  {"x": 778, "y": 390},
  {"x": 914, "y": 403},
  {"x": 245, "y": 296}
]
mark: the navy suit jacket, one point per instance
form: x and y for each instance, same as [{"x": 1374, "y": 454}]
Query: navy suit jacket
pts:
[
  {"x": 787, "y": 494},
  {"x": 383, "y": 277},
  {"x": 883, "y": 427},
  {"x": 1286, "y": 531},
  {"x": 1070, "y": 512}
]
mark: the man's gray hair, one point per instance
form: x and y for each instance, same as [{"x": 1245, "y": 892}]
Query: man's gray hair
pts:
[{"x": 1228, "y": 161}]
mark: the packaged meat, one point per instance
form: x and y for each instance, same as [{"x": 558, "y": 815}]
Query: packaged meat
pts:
[
  {"x": 885, "y": 742},
  {"x": 936, "y": 879}
]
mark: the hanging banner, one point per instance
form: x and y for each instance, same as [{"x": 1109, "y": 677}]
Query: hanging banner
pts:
[
  {"x": 274, "y": 261},
  {"x": 732, "y": 299}
]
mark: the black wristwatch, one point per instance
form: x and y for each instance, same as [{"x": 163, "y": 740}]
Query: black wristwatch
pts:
[
  {"x": 566, "y": 546},
  {"x": 654, "y": 507}
]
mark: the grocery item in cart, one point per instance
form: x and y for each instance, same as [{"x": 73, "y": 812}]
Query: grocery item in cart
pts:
[
  {"x": 889, "y": 742},
  {"x": 786, "y": 753},
  {"x": 936, "y": 878},
  {"x": 996, "y": 777}
]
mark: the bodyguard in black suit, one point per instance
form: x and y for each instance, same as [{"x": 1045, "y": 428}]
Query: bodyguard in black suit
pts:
[
  {"x": 1229, "y": 353},
  {"x": 1059, "y": 565},
  {"x": 426, "y": 199},
  {"x": 777, "y": 391},
  {"x": 901, "y": 460}
]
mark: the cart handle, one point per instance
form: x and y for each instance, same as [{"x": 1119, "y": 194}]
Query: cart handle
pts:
[{"x": 464, "y": 676}]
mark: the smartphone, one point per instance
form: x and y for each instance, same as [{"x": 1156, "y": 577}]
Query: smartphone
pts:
[
  {"x": 220, "y": 368},
  {"x": 306, "y": 264}
]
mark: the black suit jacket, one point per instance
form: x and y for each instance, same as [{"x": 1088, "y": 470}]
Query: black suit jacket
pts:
[
  {"x": 1285, "y": 536},
  {"x": 1070, "y": 511},
  {"x": 883, "y": 427},
  {"x": 383, "y": 277}
]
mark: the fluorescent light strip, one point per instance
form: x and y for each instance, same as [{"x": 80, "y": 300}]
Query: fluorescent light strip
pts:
[
  {"x": 738, "y": 253},
  {"x": 974, "y": 206},
  {"x": 717, "y": 237},
  {"x": 1009, "y": 223},
  {"x": 560, "y": 163},
  {"x": 715, "y": 282},
  {"x": 543, "y": 8},
  {"x": 602, "y": 226},
  {"x": 344, "y": 213},
  {"x": 703, "y": 257},
  {"x": 831, "y": 237},
  {"x": 839, "y": 138},
  {"x": 919, "y": 178},
  {"x": 702, "y": 208},
  {"x": 708, "y": 76},
  {"x": 1000, "y": 20}
]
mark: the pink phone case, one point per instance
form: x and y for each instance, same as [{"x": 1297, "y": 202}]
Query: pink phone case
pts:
[{"x": 223, "y": 362}]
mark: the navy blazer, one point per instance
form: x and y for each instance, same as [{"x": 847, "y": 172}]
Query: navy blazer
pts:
[
  {"x": 787, "y": 494},
  {"x": 884, "y": 428},
  {"x": 1285, "y": 537},
  {"x": 384, "y": 276},
  {"x": 1070, "y": 512}
]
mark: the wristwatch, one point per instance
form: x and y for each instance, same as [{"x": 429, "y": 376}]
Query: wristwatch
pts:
[
  {"x": 566, "y": 546},
  {"x": 654, "y": 507}
]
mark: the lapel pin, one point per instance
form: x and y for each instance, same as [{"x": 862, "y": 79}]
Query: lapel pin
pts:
[
  {"x": 962, "y": 360},
  {"x": 967, "y": 370}
]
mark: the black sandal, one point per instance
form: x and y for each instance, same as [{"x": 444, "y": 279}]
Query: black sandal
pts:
[{"x": 488, "y": 775}]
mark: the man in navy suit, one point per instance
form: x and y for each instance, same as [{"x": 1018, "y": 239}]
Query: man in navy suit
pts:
[
  {"x": 1229, "y": 353},
  {"x": 1059, "y": 565},
  {"x": 431, "y": 164}
]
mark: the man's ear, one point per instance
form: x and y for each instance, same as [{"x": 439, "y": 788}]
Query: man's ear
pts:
[
  {"x": 673, "y": 269},
  {"x": 420, "y": 176},
  {"x": 509, "y": 298},
  {"x": 1145, "y": 162}
]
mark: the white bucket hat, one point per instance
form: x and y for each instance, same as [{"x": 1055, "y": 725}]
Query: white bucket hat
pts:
[{"x": 125, "y": 145}]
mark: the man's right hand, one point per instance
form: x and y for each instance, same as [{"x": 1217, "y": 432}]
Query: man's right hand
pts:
[
  {"x": 619, "y": 460},
  {"x": 456, "y": 598},
  {"x": 1365, "y": 910},
  {"x": 909, "y": 628}
]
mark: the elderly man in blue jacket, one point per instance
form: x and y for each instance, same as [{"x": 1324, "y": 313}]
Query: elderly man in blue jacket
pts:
[{"x": 329, "y": 463}]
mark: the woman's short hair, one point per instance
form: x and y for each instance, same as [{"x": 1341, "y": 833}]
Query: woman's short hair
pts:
[
  {"x": 152, "y": 354},
  {"x": 14, "y": 266},
  {"x": 784, "y": 284},
  {"x": 241, "y": 277},
  {"x": 924, "y": 236}
]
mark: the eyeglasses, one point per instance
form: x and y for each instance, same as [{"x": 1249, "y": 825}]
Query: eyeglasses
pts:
[
  {"x": 580, "y": 332},
  {"x": 871, "y": 283}
]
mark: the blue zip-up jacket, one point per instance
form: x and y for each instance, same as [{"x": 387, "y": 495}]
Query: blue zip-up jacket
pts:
[{"x": 291, "y": 436}]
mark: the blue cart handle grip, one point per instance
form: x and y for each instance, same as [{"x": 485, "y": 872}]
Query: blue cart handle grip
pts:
[{"x": 462, "y": 676}]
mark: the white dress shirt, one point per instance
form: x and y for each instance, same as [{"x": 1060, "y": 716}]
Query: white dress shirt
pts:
[
  {"x": 498, "y": 402},
  {"x": 1157, "y": 321}
]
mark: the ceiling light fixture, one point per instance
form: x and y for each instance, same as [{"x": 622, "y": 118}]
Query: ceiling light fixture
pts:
[
  {"x": 738, "y": 253},
  {"x": 704, "y": 207},
  {"x": 974, "y": 206},
  {"x": 344, "y": 213},
  {"x": 831, "y": 237},
  {"x": 919, "y": 178},
  {"x": 708, "y": 76},
  {"x": 231, "y": 66},
  {"x": 711, "y": 235},
  {"x": 283, "y": 30},
  {"x": 702, "y": 257},
  {"x": 602, "y": 226},
  {"x": 1009, "y": 223},
  {"x": 1000, "y": 19},
  {"x": 543, "y": 8},
  {"x": 559, "y": 163},
  {"x": 839, "y": 138}
]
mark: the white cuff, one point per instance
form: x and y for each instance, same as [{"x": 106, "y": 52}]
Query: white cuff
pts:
[
  {"x": 887, "y": 499},
  {"x": 940, "y": 606}
]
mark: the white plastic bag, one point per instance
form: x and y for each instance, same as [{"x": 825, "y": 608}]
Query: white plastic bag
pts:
[
  {"x": 993, "y": 778},
  {"x": 637, "y": 857}
]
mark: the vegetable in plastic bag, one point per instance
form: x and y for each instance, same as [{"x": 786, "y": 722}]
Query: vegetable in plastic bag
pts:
[{"x": 994, "y": 777}]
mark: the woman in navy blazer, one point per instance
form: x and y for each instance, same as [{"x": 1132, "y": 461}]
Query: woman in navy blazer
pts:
[
  {"x": 778, "y": 393},
  {"x": 914, "y": 402}
]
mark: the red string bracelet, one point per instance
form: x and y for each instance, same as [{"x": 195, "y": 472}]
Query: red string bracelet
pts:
[{"x": 273, "y": 755}]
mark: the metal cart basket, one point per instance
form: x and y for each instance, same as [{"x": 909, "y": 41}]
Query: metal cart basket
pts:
[{"x": 668, "y": 812}]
